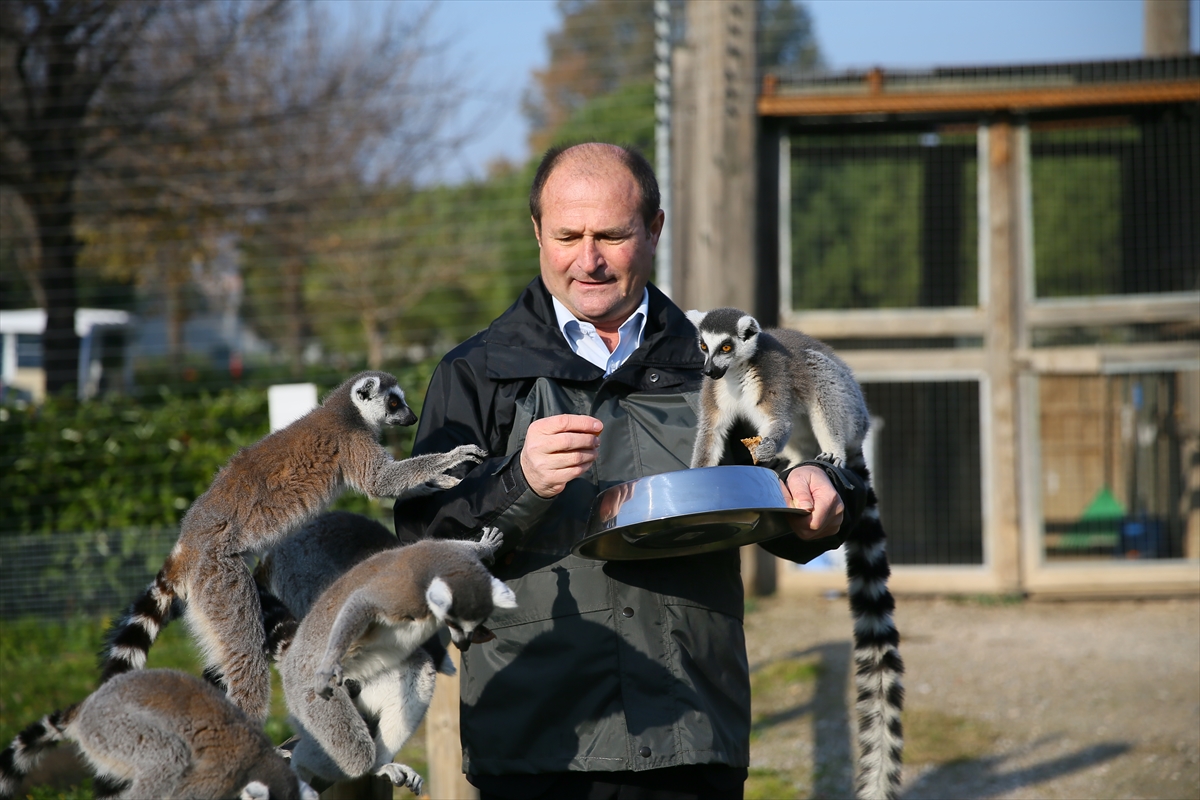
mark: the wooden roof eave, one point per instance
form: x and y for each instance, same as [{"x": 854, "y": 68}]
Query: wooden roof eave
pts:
[{"x": 996, "y": 100}]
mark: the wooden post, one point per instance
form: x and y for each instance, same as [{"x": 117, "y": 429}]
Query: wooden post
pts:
[
  {"x": 1166, "y": 27},
  {"x": 715, "y": 204},
  {"x": 443, "y": 747},
  {"x": 1003, "y": 301}
]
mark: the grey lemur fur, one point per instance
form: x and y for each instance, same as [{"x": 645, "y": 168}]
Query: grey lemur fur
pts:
[
  {"x": 761, "y": 378},
  {"x": 255, "y": 501},
  {"x": 356, "y": 678},
  {"x": 160, "y": 733}
]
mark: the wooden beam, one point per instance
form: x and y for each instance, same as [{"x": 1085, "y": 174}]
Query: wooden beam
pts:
[
  {"x": 1110, "y": 359},
  {"x": 880, "y": 322},
  {"x": 905, "y": 579},
  {"x": 1070, "y": 96},
  {"x": 1000, "y": 242},
  {"x": 442, "y": 743},
  {"x": 915, "y": 365},
  {"x": 1109, "y": 578},
  {"x": 1115, "y": 310}
]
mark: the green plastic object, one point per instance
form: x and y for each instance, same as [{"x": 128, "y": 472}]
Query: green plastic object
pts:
[{"x": 1103, "y": 507}]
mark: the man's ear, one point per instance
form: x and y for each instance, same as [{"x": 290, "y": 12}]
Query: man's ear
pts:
[
  {"x": 656, "y": 226},
  {"x": 537, "y": 231}
]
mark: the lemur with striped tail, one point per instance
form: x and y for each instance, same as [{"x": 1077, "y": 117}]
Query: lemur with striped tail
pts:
[
  {"x": 255, "y": 502},
  {"x": 159, "y": 733},
  {"x": 759, "y": 379}
]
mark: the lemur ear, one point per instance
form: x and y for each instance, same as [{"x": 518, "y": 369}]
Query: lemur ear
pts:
[
  {"x": 747, "y": 326},
  {"x": 439, "y": 598},
  {"x": 696, "y": 317},
  {"x": 502, "y": 596},
  {"x": 364, "y": 388}
]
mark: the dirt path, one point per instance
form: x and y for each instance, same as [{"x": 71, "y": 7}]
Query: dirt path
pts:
[{"x": 1004, "y": 700}]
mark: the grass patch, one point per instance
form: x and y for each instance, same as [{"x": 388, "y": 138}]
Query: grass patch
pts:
[
  {"x": 81, "y": 792},
  {"x": 49, "y": 665},
  {"x": 780, "y": 674},
  {"x": 931, "y": 737},
  {"x": 769, "y": 784}
]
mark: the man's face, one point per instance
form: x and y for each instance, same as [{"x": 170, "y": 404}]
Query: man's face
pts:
[{"x": 596, "y": 253}]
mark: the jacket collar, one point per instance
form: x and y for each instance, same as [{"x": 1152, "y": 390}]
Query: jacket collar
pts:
[{"x": 525, "y": 342}]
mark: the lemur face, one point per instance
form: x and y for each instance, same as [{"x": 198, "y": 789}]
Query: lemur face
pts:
[
  {"x": 381, "y": 401},
  {"x": 466, "y": 625},
  {"x": 726, "y": 337},
  {"x": 398, "y": 412}
]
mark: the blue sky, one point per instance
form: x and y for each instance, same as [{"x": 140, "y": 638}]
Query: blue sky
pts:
[{"x": 498, "y": 43}]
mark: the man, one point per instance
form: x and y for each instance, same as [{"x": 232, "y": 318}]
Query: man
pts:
[{"x": 618, "y": 677}]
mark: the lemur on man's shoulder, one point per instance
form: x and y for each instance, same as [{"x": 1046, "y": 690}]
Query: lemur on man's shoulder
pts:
[
  {"x": 356, "y": 676},
  {"x": 759, "y": 379},
  {"x": 257, "y": 499}
]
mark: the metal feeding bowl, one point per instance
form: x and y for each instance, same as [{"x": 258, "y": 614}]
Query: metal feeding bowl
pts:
[{"x": 686, "y": 512}]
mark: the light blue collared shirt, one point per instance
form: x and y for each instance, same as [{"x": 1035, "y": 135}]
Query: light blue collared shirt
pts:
[{"x": 586, "y": 343}]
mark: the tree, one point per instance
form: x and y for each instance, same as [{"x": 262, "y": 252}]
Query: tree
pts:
[
  {"x": 785, "y": 37},
  {"x": 196, "y": 121},
  {"x": 71, "y": 87},
  {"x": 603, "y": 46}
]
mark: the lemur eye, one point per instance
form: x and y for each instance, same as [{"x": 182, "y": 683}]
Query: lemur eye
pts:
[
  {"x": 393, "y": 402},
  {"x": 704, "y": 347},
  {"x": 725, "y": 348}
]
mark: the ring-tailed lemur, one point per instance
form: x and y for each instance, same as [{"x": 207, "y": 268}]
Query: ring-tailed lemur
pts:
[
  {"x": 356, "y": 678},
  {"x": 311, "y": 559},
  {"x": 254, "y": 502},
  {"x": 758, "y": 377},
  {"x": 160, "y": 733}
]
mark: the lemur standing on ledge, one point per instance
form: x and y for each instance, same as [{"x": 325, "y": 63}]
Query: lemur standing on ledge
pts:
[{"x": 758, "y": 378}]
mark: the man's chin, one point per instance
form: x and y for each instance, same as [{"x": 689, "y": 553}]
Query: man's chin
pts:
[{"x": 599, "y": 306}]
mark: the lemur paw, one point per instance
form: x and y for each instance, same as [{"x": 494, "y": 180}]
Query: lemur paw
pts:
[
  {"x": 489, "y": 541},
  {"x": 402, "y": 775},
  {"x": 468, "y": 452},
  {"x": 830, "y": 458},
  {"x": 764, "y": 452},
  {"x": 327, "y": 679},
  {"x": 255, "y": 790}
]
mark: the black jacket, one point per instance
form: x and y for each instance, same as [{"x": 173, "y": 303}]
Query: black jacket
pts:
[{"x": 602, "y": 666}]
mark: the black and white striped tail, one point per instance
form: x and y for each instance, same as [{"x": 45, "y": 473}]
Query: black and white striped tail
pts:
[
  {"x": 128, "y": 642},
  {"x": 878, "y": 666},
  {"x": 278, "y": 623},
  {"x": 27, "y": 748}
]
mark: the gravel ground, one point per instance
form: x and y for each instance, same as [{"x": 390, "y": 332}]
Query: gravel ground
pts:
[{"x": 1021, "y": 699}]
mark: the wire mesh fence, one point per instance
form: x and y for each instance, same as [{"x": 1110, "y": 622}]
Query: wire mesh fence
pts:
[
  {"x": 92, "y": 573},
  {"x": 883, "y": 220},
  {"x": 1115, "y": 204},
  {"x": 1119, "y": 456}
]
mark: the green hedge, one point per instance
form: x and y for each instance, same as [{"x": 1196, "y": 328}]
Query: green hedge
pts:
[{"x": 120, "y": 463}]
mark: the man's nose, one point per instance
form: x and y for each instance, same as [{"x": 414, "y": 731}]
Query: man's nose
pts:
[{"x": 590, "y": 257}]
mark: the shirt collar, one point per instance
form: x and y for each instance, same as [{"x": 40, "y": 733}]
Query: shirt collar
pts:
[{"x": 631, "y": 332}]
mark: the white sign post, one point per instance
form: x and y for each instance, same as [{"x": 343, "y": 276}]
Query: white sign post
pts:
[{"x": 289, "y": 402}]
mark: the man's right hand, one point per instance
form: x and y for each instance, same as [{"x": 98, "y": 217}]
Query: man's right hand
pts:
[{"x": 559, "y": 449}]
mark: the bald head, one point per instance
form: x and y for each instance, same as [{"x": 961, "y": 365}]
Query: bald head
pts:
[{"x": 596, "y": 160}]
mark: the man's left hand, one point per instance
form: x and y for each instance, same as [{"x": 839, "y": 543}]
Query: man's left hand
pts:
[{"x": 809, "y": 489}]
